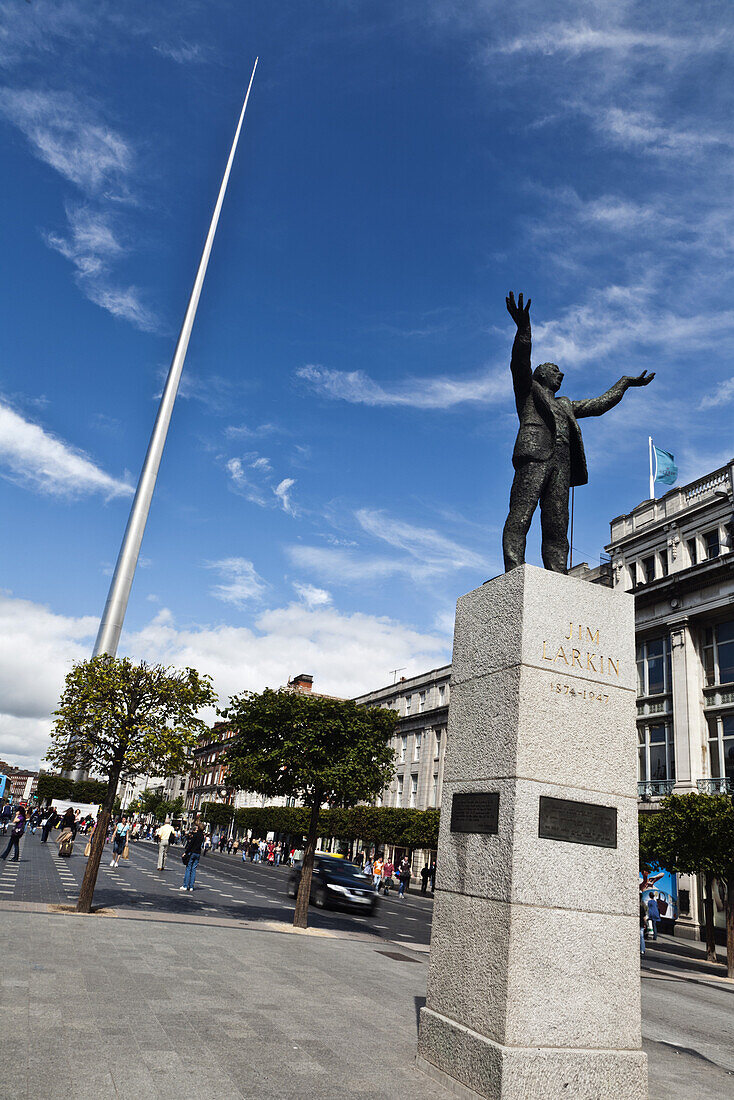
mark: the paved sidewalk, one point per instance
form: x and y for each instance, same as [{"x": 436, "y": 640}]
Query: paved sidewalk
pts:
[{"x": 97, "y": 1007}]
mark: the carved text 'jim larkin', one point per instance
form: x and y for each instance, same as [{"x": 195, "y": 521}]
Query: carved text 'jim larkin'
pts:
[
  {"x": 580, "y": 650},
  {"x": 549, "y": 452}
]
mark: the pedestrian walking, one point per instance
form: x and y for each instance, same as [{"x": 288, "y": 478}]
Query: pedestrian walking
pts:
[
  {"x": 191, "y": 856},
  {"x": 6, "y": 815},
  {"x": 52, "y": 819},
  {"x": 643, "y": 922},
  {"x": 119, "y": 840},
  {"x": 377, "y": 871},
  {"x": 653, "y": 913},
  {"x": 16, "y": 832},
  {"x": 425, "y": 875},
  {"x": 432, "y": 876},
  {"x": 388, "y": 870},
  {"x": 164, "y": 839},
  {"x": 403, "y": 877}
]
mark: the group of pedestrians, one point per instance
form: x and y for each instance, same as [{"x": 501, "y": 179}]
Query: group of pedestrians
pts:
[{"x": 384, "y": 873}]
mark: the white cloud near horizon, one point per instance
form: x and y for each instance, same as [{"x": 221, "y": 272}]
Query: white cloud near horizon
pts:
[
  {"x": 347, "y": 654},
  {"x": 32, "y": 456}
]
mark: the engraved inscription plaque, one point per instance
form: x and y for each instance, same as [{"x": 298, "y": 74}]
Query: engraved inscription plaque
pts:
[
  {"x": 475, "y": 812},
  {"x": 577, "y": 822}
]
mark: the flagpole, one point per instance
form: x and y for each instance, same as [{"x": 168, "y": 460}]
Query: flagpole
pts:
[
  {"x": 652, "y": 476},
  {"x": 113, "y": 616}
]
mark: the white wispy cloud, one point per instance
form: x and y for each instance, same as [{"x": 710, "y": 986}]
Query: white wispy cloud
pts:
[
  {"x": 722, "y": 394},
  {"x": 311, "y": 595},
  {"x": 71, "y": 137},
  {"x": 33, "y": 456},
  {"x": 239, "y": 582},
  {"x": 417, "y": 393},
  {"x": 424, "y": 554},
  {"x": 433, "y": 550},
  {"x": 183, "y": 53},
  {"x": 575, "y": 39},
  {"x": 252, "y": 477},
  {"x": 91, "y": 246},
  {"x": 283, "y": 492},
  {"x": 644, "y": 130}
]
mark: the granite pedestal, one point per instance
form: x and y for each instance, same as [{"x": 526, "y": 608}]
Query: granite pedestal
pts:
[{"x": 534, "y": 990}]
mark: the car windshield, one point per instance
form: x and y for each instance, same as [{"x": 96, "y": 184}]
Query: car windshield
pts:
[{"x": 342, "y": 868}]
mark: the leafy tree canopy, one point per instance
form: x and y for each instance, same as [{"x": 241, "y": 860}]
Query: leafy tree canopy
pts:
[
  {"x": 116, "y": 715},
  {"x": 309, "y": 747},
  {"x": 694, "y": 834}
]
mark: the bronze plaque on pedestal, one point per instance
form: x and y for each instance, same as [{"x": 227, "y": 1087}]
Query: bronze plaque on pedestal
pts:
[
  {"x": 577, "y": 822},
  {"x": 475, "y": 812}
]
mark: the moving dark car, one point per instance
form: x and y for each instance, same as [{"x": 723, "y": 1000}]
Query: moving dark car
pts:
[{"x": 336, "y": 882}]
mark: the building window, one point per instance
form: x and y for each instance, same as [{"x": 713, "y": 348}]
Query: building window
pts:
[
  {"x": 711, "y": 543},
  {"x": 417, "y": 746},
  {"x": 692, "y": 547},
  {"x": 408, "y": 703},
  {"x": 721, "y": 746},
  {"x": 653, "y": 666},
  {"x": 399, "y": 794},
  {"x": 664, "y": 562},
  {"x": 441, "y": 694},
  {"x": 438, "y": 744},
  {"x": 413, "y": 789},
  {"x": 403, "y": 749},
  {"x": 422, "y": 701},
  {"x": 434, "y": 790},
  {"x": 656, "y": 755},
  {"x": 647, "y": 570},
  {"x": 718, "y": 654}
]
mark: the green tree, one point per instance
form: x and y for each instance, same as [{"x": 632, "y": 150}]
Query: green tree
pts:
[
  {"x": 218, "y": 813},
  {"x": 53, "y": 786},
  {"x": 149, "y": 801},
  {"x": 694, "y": 834},
  {"x": 172, "y": 808},
  {"x": 117, "y": 717},
  {"x": 318, "y": 750}
]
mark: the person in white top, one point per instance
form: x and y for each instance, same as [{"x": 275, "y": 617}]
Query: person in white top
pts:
[{"x": 164, "y": 839}]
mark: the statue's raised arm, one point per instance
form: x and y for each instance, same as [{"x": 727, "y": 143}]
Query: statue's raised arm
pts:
[{"x": 596, "y": 406}]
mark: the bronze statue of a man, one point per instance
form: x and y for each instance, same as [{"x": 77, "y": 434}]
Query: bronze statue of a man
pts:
[{"x": 549, "y": 452}]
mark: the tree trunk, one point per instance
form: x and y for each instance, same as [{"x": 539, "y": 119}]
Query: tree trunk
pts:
[
  {"x": 300, "y": 917},
  {"x": 708, "y": 910},
  {"x": 730, "y": 926},
  {"x": 84, "y": 904}
]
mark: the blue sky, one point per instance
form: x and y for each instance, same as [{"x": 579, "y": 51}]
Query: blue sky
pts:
[{"x": 338, "y": 467}]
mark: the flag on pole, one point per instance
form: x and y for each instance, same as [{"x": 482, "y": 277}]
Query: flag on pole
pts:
[{"x": 665, "y": 467}]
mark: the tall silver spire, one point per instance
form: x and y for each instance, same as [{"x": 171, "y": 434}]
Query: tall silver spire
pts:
[{"x": 113, "y": 616}]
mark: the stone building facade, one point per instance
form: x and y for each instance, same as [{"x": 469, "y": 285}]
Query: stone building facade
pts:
[
  {"x": 422, "y": 705},
  {"x": 675, "y": 555}
]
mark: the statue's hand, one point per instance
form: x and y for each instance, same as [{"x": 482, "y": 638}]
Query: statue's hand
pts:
[
  {"x": 520, "y": 313},
  {"x": 643, "y": 379}
]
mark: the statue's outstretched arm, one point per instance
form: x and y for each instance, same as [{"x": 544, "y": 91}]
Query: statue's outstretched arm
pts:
[
  {"x": 522, "y": 375},
  {"x": 596, "y": 406}
]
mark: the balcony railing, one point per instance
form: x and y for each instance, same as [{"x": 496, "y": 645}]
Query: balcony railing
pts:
[
  {"x": 654, "y": 788},
  {"x": 716, "y": 786}
]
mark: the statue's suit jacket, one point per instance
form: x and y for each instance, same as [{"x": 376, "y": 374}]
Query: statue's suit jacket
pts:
[{"x": 536, "y": 438}]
